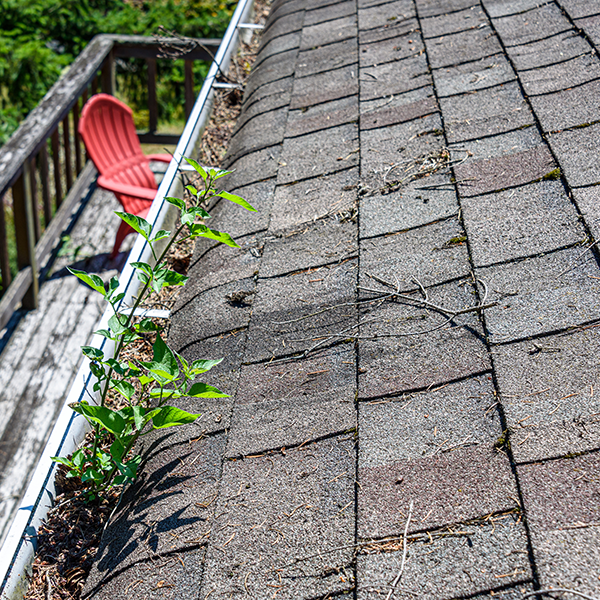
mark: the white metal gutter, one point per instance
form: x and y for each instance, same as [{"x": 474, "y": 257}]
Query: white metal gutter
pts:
[{"x": 18, "y": 549}]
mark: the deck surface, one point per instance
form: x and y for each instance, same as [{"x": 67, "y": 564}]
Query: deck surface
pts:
[
  {"x": 401, "y": 154},
  {"x": 41, "y": 348}
]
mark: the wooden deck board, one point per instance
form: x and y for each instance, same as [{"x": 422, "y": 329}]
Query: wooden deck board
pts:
[{"x": 40, "y": 360}]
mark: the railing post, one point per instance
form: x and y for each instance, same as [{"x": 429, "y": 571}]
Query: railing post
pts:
[
  {"x": 55, "y": 143},
  {"x": 67, "y": 147},
  {"x": 152, "y": 103},
  {"x": 4, "y": 262},
  {"x": 44, "y": 175},
  {"x": 34, "y": 200},
  {"x": 75, "y": 112},
  {"x": 108, "y": 74},
  {"x": 25, "y": 233},
  {"x": 189, "y": 88}
]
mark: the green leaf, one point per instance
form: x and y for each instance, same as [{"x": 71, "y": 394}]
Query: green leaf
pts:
[
  {"x": 92, "y": 353},
  {"x": 203, "y": 390},
  {"x": 91, "y": 475},
  {"x": 143, "y": 266},
  {"x": 104, "y": 460},
  {"x": 219, "y": 173},
  {"x": 165, "y": 394},
  {"x": 164, "y": 363},
  {"x": 199, "y": 230},
  {"x": 170, "y": 416},
  {"x": 117, "y": 449},
  {"x": 62, "y": 461},
  {"x": 237, "y": 200},
  {"x": 136, "y": 223},
  {"x": 92, "y": 280},
  {"x": 192, "y": 190},
  {"x": 125, "y": 389},
  {"x": 79, "y": 457},
  {"x": 138, "y": 417},
  {"x": 160, "y": 235},
  {"x": 109, "y": 419},
  {"x": 147, "y": 325},
  {"x": 117, "y": 324},
  {"x": 129, "y": 469},
  {"x": 97, "y": 371},
  {"x": 117, "y": 366},
  {"x": 198, "y": 168},
  {"x": 202, "y": 366},
  {"x": 104, "y": 333},
  {"x": 178, "y": 202}
]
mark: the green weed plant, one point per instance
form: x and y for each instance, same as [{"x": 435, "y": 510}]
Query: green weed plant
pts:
[{"x": 147, "y": 388}]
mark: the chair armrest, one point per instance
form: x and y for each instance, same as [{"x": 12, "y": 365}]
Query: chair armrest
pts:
[
  {"x": 160, "y": 157},
  {"x": 126, "y": 189}
]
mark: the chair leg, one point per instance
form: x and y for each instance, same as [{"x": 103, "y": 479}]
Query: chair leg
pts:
[{"x": 123, "y": 231}]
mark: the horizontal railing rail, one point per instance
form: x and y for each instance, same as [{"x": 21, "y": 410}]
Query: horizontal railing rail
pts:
[{"x": 43, "y": 166}]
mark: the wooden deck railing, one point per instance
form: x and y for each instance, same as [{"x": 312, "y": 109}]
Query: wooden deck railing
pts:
[{"x": 43, "y": 166}]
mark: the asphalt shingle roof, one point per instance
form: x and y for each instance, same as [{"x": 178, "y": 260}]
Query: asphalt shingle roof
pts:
[{"x": 397, "y": 152}]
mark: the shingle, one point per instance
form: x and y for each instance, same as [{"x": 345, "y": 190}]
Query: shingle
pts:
[
  {"x": 392, "y": 153},
  {"x": 425, "y": 424},
  {"x": 307, "y": 399},
  {"x": 534, "y": 298},
  {"x": 580, "y": 8},
  {"x": 554, "y": 49},
  {"x": 468, "y": 77},
  {"x": 470, "y": 18},
  {"x": 576, "y": 154},
  {"x": 319, "y": 153},
  {"x": 414, "y": 204},
  {"x": 487, "y": 555},
  {"x": 588, "y": 203},
  {"x": 396, "y": 355},
  {"x": 502, "y": 8},
  {"x": 393, "y": 78},
  {"x": 327, "y": 58},
  {"x": 509, "y": 170},
  {"x": 460, "y": 485},
  {"x": 388, "y": 14},
  {"x": 322, "y": 116},
  {"x": 591, "y": 27},
  {"x": 485, "y": 112},
  {"x": 329, "y": 13},
  {"x": 311, "y": 199},
  {"x": 524, "y": 221},
  {"x": 262, "y": 131},
  {"x": 328, "y": 33},
  {"x": 286, "y": 506},
  {"x": 431, "y": 8},
  {"x": 550, "y": 393},
  {"x": 462, "y": 47},
  {"x": 325, "y": 242},
  {"x": 571, "y": 108},
  {"x": 390, "y": 49},
  {"x": 532, "y": 25},
  {"x": 325, "y": 87},
  {"x": 281, "y": 311},
  {"x": 400, "y": 113},
  {"x": 392, "y": 29},
  {"x": 511, "y": 142},
  {"x": 433, "y": 254}
]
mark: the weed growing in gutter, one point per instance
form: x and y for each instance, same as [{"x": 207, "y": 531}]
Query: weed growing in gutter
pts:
[{"x": 146, "y": 387}]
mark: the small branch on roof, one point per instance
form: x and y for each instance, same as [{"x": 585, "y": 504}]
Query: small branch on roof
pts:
[{"x": 404, "y": 549}]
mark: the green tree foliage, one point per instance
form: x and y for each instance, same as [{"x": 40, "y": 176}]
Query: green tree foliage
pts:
[{"x": 40, "y": 38}]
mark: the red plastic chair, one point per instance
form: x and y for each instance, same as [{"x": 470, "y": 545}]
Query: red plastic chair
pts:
[{"x": 106, "y": 126}]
